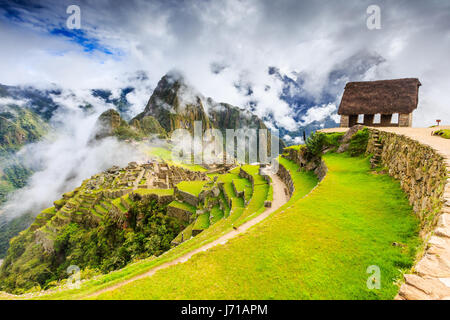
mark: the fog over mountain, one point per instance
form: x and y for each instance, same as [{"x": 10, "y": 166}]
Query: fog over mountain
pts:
[
  {"x": 229, "y": 50},
  {"x": 64, "y": 157}
]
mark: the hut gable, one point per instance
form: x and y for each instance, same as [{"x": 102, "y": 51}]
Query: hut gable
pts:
[{"x": 383, "y": 96}]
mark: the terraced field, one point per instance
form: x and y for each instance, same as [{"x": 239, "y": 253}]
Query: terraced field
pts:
[
  {"x": 317, "y": 247},
  {"x": 345, "y": 225},
  {"x": 214, "y": 217}
]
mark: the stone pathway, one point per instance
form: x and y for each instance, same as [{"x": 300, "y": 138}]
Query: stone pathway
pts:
[{"x": 431, "y": 279}]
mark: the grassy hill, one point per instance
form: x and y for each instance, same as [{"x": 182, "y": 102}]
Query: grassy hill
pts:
[
  {"x": 317, "y": 247},
  {"x": 97, "y": 219}
]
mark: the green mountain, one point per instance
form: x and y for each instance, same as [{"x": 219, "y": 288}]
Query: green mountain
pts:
[
  {"x": 176, "y": 105},
  {"x": 18, "y": 126}
]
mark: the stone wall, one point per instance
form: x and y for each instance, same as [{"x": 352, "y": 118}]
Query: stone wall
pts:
[
  {"x": 160, "y": 199},
  {"x": 179, "y": 213},
  {"x": 186, "y": 197},
  {"x": 285, "y": 176},
  {"x": 246, "y": 175},
  {"x": 423, "y": 176},
  {"x": 227, "y": 199},
  {"x": 299, "y": 157},
  {"x": 420, "y": 170}
]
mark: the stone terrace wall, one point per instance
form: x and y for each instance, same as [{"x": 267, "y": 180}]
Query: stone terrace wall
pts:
[
  {"x": 421, "y": 172},
  {"x": 179, "y": 213},
  {"x": 317, "y": 165},
  {"x": 423, "y": 175},
  {"x": 285, "y": 176},
  {"x": 186, "y": 197}
]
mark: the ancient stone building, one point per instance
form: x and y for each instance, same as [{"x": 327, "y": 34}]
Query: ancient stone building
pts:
[{"x": 373, "y": 103}]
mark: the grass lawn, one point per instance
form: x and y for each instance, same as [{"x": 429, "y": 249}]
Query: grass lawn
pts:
[
  {"x": 316, "y": 247},
  {"x": 239, "y": 184},
  {"x": 216, "y": 214},
  {"x": 192, "y": 187},
  {"x": 202, "y": 222}
]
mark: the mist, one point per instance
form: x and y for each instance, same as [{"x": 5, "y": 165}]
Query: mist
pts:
[{"x": 66, "y": 156}]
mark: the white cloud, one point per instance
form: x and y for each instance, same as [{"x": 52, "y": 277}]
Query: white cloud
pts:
[
  {"x": 247, "y": 36},
  {"x": 320, "y": 113}
]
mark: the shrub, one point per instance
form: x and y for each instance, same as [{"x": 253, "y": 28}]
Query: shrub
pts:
[
  {"x": 358, "y": 143},
  {"x": 444, "y": 133},
  {"x": 333, "y": 139},
  {"x": 315, "y": 144}
]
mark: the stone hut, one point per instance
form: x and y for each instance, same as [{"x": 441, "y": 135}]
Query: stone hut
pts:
[{"x": 373, "y": 103}]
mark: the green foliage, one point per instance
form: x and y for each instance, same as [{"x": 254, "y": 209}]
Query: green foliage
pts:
[
  {"x": 319, "y": 141},
  {"x": 444, "y": 133},
  {"x": 315, "y": 144},
  {"x": 103, "y": 248},
  {"x": 10, "y": 228},
  {"x": 17, "y": 175},
  {"x": 333, "y": 139},
  {"x": 358, "y": 143},
  {"x": 5, "y": 189},
  {"x": 125, "y": 132},
  {"x": 19, "y": 126}
]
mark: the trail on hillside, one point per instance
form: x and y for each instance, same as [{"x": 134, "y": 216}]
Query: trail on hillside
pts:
[{"x": 279, "y": 198}]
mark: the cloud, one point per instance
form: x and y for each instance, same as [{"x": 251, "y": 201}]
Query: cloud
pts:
[
  {"x": 64, "y": 158},
  {"x": 220, "y": 44},
  {"x": 320, "y": 113}
]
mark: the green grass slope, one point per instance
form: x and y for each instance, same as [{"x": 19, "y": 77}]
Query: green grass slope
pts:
[
  {"x": 233, "y": 216},
  {"x": 317, "y": 247}
]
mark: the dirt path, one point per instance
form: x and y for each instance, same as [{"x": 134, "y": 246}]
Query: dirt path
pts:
[{"x": 279, "y": 199}]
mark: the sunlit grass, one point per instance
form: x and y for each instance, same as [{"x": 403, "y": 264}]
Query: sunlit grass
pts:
[
  {"x": 318, "y": 247},
  {"x": 216, "y": 230}
]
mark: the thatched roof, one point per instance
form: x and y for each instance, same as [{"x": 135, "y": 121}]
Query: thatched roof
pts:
[{"x": 383, "y": 96}]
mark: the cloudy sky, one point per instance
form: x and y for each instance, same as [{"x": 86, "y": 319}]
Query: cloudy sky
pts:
[{"x": 226, "y": 49}]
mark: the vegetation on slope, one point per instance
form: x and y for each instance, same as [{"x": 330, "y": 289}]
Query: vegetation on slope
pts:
[
  {"x": 444, "y": 133},
  {"x": 234, "y": 216},
  {"x": 319, "y": 247},
  {"x": 18, "y": 126},
  {"x": 358, "y": 142},
  {"x": 105, "y": 248}
]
